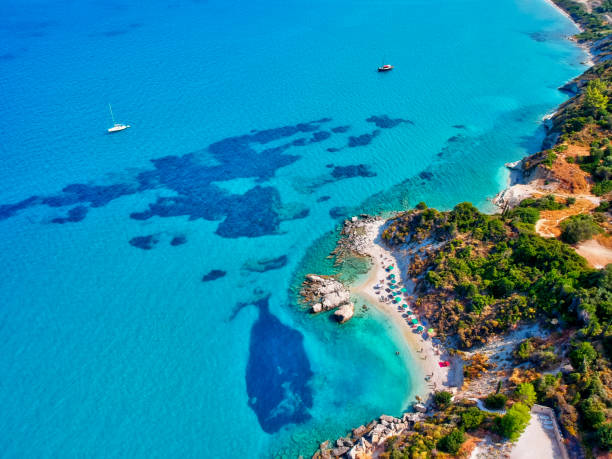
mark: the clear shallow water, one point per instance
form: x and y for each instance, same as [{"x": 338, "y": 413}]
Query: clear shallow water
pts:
[{"x": 115, "y": 349}]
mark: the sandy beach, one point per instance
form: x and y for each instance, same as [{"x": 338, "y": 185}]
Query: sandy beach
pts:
[{"x": 427, "y": 352}]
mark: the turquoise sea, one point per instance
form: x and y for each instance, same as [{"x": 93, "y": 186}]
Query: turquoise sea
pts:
[{"x": 147, "y": 298}]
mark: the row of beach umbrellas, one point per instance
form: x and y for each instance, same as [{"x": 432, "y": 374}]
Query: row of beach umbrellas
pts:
[{"x": 398, "y": 299}]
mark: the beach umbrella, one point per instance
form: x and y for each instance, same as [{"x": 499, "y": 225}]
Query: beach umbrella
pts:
[
  {"x": 398, "y": 298},
  {"x": 404, "y": 290},
  {"x": 404, "y": 305},
  {"x": 430, "y": 331},
  {"x": 392, "y": 276},
  {"x": 414, "y": 321},
  {"x": 390, "y": 267}
]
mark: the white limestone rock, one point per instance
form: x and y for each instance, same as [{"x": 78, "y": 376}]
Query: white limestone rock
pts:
[{"x": 345, "y": 312}]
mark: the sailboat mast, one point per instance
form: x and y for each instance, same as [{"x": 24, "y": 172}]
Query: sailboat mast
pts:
[{"x": 111, "y": 112}]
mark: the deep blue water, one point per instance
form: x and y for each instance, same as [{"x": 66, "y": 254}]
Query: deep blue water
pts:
[{"x": 148, "y": 293}]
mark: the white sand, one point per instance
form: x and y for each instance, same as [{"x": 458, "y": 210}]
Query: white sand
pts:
[{"x": 426, "y": 353}]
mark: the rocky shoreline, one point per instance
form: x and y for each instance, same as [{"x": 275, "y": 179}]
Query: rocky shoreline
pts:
[{"x": 366, "y": 439}]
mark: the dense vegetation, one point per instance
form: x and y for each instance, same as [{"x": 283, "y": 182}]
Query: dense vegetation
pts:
[
  {"x": 491, "y": 272},
  {"x": 594, "y": 26},
  {"x": 479, "y": 275}
]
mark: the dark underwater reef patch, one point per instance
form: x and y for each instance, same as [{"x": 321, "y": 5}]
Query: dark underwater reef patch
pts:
[
  {"x": 323, "y": 198},
  {"x": 307, "y": 186},
  {"x": 339, "y": 211},
  {"x": 320, "y": 136},
  {"x": 265, "y": 264},
  {"x": 385, "y": 122},
  {"x": 455, "y": 138},
  {"x": 278, "y": 371},
  {"x": 256, "y": 212},
  {"x": 459, "y": 126},
  {"x": 363, "y": 139},
  {"x": 179, "y": 239},
  {"x": 333, "y": 149},
  {"x": 340, "y": 129},
  {"x": 426, "y": 175},
  {"x": 213, "y": 274},
  {"x": 358, "y": 170},
  {"x": 76, "y": 214},
  {"x": 10, "y": 210},
  {"x": 144, "y": 242}
]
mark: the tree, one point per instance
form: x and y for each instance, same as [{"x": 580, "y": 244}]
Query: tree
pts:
[
  {"x": 595, "y": 101},
  {"x": 525, "y": 393},
  {"x": 495, "y": 401},
  {"x": 592, "y": 412},
  {"x": 472, "y": 418},
  {"x": 452, "y": 442},
  {"x": 442, "y": 399},
  {"x": 512, "y": 424},
  {"x": 524, "y": 350},
  {"x": 578, "y": 228},
  {"x": 583, "y": 355},
  {"x": 604, "y": 436}
]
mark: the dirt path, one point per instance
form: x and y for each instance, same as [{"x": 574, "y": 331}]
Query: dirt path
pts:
[
  {"x": 597, "y": 254},
  {"x": 549, "y": 224}
]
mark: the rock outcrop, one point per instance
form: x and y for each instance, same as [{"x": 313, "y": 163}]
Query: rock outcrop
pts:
[
  {"x": 365, "y": 439},
  {"x": 344, "y": 312},
  {"x": 355, "y": 239},
  {"x": 324, "y": 293}
]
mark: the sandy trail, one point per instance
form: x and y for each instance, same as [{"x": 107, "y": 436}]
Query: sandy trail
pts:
[{"x": 595, "y": 253}]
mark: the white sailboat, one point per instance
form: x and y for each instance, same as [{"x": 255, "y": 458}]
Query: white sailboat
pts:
[{"x": 116, "y": 126}]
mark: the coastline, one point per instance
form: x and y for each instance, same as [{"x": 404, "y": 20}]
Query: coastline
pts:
[{"x": 427, "y": 353}]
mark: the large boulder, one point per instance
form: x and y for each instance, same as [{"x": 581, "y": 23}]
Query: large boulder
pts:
[
  {"x": 324, "y": 293},
  {"x": 341, "y": 450},
  {"x": 345, "y": 312}
]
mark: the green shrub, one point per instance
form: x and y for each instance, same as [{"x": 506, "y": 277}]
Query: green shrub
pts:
[
  {"x": 583, "y": 355},
  {"x": 495, "y": 401},
  {"x": 592, "y": 412},
  {"x": 578, "y": 228},
  {"x": 602, "y": 188},
  {"x": 595, "y": 101},
  {"x": 452, "y": 442},
  {"x": 550, "y": 159},
  {"x": 513, "y": 423},
  {"x": 604, "y": 436},
  {"x": 525, "y": 214},
  {"x": 442, "y": 399},
  {"x": 471, "y": 418},
  {"x": 603, "y": 206},
  {"x": 525, "y": 393},
  {"x": 524, "y": 350}
]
